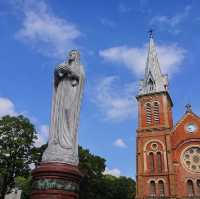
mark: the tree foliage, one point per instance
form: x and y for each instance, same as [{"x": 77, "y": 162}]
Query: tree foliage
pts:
[
  {"x": 24, "y": 183},
  {"x": 118, "y": 187},
  {"x": 99, "y": 186},
  {"x": 17, "y": 136},
  {"x": 91, "y": 167}
]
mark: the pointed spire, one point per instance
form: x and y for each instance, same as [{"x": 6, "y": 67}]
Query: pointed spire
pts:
[{"x": 153, "y": 81}]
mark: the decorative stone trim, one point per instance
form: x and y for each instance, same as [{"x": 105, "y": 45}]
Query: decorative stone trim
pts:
[
  {"x": 154, "y": 140},
  {"x": 57, "y": 184},
  {"x": 161, "y": 179}
]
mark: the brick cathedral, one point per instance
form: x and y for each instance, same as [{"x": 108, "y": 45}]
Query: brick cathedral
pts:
[{"x": 168, "y": 155}]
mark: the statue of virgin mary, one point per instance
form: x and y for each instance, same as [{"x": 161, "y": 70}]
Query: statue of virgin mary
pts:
[{"x": 68, "y": 87}]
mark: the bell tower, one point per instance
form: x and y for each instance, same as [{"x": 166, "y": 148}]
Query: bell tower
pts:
[{"x": 154, "y": 172}]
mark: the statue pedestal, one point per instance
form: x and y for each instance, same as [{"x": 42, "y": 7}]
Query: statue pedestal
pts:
[{"x": 55, "y": 181}]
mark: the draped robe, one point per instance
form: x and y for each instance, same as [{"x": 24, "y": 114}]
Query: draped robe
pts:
[{"x": 68, "y": 86}]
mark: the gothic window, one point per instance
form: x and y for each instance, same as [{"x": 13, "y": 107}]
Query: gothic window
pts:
[
  {"x": 161, "y": 188},
  {"x": 152, "y": 188},
  {"x": 190, "y": 188},
  {"x": 156, "y": 112},
  {"x": 148, "y": 114},
  {"x": 198, "y": 186},
  {"x": 159, "y": 162},
  {"x": 151, "y": 162}
]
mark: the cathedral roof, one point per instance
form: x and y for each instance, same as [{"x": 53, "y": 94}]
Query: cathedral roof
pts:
[
  {"x": 154, "y": 80},
  {"x": 189, "y": 115},
  {"x": 186, "y": 131}
]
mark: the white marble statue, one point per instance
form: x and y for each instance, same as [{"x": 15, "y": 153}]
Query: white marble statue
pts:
[{"x": 68, "y": 87}]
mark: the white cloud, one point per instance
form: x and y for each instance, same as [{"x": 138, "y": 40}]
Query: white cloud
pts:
[
  {"x": 120, "y": 143},
  {"x": 7, "y": 107},
  {"x": 43, "y": 132},
  {"x": 115, "y": 102},
  {"x": 47, "y": 33},
  {"x": 170, "y": 57},
  {"x": 171, "y": 24},
  {"x": 114, "y": 172}
]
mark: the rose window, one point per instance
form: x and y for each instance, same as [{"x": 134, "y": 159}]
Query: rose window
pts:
[{"x": 191, "y": 159}]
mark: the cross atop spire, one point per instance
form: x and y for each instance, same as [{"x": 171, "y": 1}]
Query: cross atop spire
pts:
[
  {"x": 150, "y": 33},
  {"x": 154, "y": 80},
  {"x": 188, "y": 108}
]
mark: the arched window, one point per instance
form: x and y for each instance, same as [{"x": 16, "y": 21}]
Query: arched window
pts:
[
  {"x": 198, "y": 186},
  {"x": 152, "y": 188},
  {"x": 148, "y": 114},
  {"x": 151, "y": 162},
  {"x": 156, "y": 112},
  {"x": 159, "y": 162},
  {"x": 161, "y": 188},
  {"x": 190, "y": 188}
]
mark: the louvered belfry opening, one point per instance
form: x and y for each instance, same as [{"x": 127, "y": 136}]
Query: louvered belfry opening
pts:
[
  {"x": 148, "y": 114},
  {"x": 152, "y": 110},
  {"x": 156, "y": 113}
]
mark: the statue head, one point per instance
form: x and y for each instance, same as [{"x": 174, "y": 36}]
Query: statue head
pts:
[{"x": 74, "y": 56}]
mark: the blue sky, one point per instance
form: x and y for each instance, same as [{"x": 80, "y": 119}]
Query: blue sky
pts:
[{"x": 112, "y": 39}]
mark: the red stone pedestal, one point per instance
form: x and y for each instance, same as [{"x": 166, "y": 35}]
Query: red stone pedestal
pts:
[{"x": 55, "y": 181}]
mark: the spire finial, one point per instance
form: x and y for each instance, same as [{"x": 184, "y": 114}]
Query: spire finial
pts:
[
  {"x": 188, "y": 108},
  {"x": 150, "y": 32}
]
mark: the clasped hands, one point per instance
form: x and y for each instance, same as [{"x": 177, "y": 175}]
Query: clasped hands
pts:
[{"x": 69, "y": 74}]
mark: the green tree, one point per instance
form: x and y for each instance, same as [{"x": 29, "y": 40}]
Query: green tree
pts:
[
  {"x": 99, "y": 186},
  {"x": 24, "y": 183},
  {"x": 118, "y": 187},
  {"x": 92, "y": 167},
  {"x": 17, "y": 137}
]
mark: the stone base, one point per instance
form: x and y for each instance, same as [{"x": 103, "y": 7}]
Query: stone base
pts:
[{"x": 55, "y": 181}]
